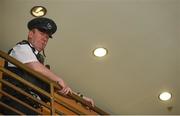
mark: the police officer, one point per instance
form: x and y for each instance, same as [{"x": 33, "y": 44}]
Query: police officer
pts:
[{"x": 28, "y": 52}]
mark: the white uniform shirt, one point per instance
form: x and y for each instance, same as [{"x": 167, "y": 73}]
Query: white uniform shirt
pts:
[{"x": 23, "y": 53}]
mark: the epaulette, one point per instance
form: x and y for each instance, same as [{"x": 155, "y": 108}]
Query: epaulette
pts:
[{"x": 23, "y": 42}]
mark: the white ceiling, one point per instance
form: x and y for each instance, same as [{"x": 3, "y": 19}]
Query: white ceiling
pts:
[{"x": 142, "y": 38}]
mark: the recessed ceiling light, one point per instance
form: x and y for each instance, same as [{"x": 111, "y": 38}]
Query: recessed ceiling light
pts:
[
  {"x": 165, "y": 96},
  {"x": 38, "y": 11},
  {"x": 100, "y": 52}
]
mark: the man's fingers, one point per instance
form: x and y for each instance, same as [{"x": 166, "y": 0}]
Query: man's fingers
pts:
[
  {"x": 65, "y": 90},
  {"x": 89, "y": 100},
  {"x": 92, "y": 102}
]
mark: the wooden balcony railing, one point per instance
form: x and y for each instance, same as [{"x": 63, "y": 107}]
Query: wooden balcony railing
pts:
[{"x": 58, "y": 104}]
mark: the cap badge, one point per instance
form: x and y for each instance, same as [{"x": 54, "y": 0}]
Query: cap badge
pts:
[{"x": 49, "y": 26}]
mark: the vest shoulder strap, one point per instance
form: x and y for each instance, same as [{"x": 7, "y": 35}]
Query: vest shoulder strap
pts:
[{"x": 39, "y": 56}]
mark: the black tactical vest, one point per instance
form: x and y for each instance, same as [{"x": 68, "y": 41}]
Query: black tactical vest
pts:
[{"x": 26, "y": 76}]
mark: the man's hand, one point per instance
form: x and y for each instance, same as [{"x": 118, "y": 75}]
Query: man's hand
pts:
[
  {"x": 89, "y": 100},
  {"x": 65, "y": 89}
]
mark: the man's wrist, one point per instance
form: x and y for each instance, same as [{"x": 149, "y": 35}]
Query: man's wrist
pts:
[{"x": 59, "y": 83}]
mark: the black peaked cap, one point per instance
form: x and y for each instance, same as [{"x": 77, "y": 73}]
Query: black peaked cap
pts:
[{"x": 43, "y": 24}]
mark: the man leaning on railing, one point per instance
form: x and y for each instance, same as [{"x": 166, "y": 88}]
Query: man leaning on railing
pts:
[{"x": 28, "y": 52}]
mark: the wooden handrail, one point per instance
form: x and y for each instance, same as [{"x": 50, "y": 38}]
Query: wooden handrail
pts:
[
  {"x": 19, "y": 101},
  {"x": 24, "y": 93},
  {"x": 11, "y": 108},
  {"x": 24, "y": 67},
  {"x": 13, "y": 75},
  {"x": 44, "y": 78}
]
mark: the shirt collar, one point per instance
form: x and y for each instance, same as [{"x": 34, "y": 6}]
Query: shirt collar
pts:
[{"x": 36, "y": 52}]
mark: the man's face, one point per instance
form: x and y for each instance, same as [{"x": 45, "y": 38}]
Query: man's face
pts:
[{"x": 38, "y": 39}]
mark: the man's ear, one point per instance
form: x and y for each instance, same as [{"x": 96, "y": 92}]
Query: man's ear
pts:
[{"x": 30, "y": 34}]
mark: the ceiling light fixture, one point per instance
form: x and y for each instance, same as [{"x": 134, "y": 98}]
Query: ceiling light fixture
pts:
[
  {"x": 164, "y": 96},
  {"x": 38, "y": 11},
  {"x": 100, "y": 52}
]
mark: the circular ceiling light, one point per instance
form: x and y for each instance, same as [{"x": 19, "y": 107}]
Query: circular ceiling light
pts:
[
  {"x": 38, "y": 11},
  {"x": 100, "y": 52},
  {"x": 165, "y": 96}
]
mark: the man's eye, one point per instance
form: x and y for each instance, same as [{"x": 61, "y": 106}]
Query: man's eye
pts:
[{"x": 41, "y": 33}]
